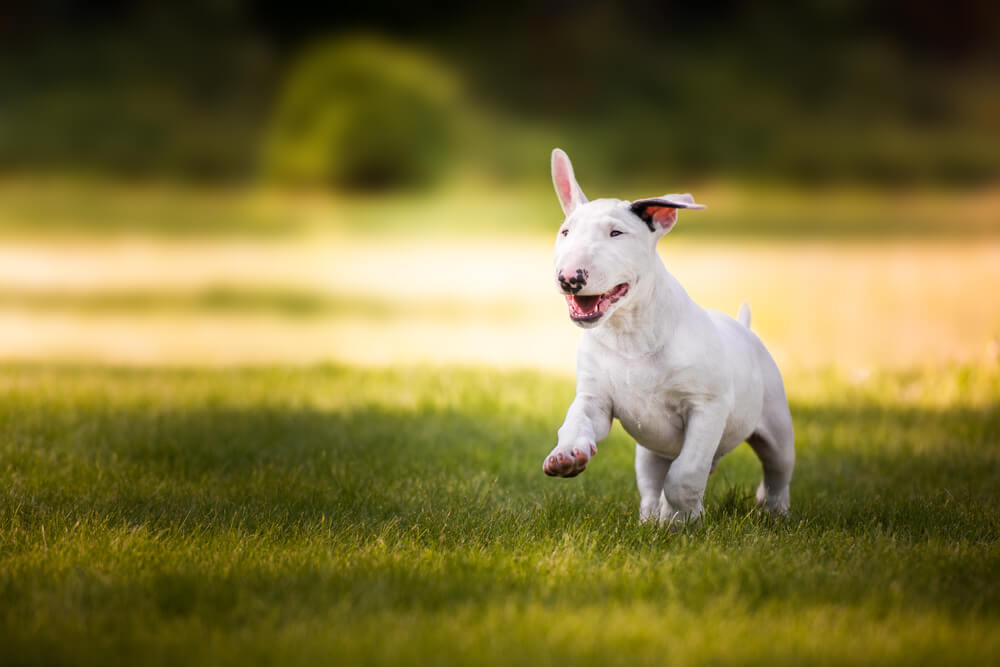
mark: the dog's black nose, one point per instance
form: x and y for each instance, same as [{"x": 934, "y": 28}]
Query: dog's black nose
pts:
[{"x": 574, "y": 283}]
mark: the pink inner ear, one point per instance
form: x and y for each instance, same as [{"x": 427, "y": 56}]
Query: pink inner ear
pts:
[
  {"x": 564, "y": 186},
  {"x": 664, "y": 216}
]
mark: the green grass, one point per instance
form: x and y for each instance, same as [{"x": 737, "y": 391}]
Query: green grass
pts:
[
  {"x": 60, "y": 207},
  {"x": 291, "y": 302},
  {"x": 330, "y": 515},
  {"x": 285, "y": 301}
]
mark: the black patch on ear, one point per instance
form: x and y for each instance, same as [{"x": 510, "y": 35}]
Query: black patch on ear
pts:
[{"x": 639, "y": 208}]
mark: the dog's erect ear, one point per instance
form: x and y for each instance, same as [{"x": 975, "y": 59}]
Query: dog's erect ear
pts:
[
  {"x": 569, "y": 193},
  {"x": 660, "y": 213}
]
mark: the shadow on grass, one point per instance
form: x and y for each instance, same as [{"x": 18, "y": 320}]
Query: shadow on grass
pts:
[{"x": 867, "y": 457}]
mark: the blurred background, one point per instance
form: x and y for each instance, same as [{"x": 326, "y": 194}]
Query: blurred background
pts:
[{"x": 246, "y": 182}]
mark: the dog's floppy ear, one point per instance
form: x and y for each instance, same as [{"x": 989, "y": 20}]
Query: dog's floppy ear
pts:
[
  {"x": 660, "y": 213},
  {"x": 569, "y": 193}
]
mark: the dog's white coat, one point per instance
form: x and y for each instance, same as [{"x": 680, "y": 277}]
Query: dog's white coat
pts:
[{"x": 689, "y": 384}]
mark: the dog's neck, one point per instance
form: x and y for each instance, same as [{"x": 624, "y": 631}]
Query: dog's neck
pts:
[{"x": 646, "y": 323}]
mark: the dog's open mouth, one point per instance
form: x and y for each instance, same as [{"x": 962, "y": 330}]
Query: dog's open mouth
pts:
[{"x": 592, "y": 306}]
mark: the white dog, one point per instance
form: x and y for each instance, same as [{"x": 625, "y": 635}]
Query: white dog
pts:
[{"x": 689, "y": 384}]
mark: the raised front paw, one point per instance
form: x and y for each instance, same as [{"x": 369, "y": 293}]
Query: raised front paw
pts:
[{"x": 568, "y": 461}]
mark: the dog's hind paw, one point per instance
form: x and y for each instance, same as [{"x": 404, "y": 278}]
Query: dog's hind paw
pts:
[{"x": 776, "y": 503}]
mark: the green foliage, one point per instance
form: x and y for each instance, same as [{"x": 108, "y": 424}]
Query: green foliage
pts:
[
  {"x": 302, "y": 516},
  {"x": 814, "y": 94},
  {"x": 362, "y": 113},
  {"x": 184, "y": 101}
]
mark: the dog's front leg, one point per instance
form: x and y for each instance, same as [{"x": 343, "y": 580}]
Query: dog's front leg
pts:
[
  {"x": 588, "y": 422},
  {"x": 685, "y": 485}
]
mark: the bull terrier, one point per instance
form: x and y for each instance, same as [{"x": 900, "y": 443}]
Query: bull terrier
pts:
[{"x": 688, "y": 383}]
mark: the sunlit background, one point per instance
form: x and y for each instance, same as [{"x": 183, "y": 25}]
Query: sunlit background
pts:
[{"x": 241, "y": 183}]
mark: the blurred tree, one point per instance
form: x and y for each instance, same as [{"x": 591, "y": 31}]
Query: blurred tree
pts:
[
  {"x": 362, "y": 113},
  {"x": 821, "y": 90}
]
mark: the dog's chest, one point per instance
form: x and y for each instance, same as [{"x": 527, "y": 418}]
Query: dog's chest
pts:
[{"x": 649, "y": 406}]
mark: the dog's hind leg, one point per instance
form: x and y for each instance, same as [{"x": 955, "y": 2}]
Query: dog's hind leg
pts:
[
  {"x": 778, "y": 459},
  {"x": 650, "y": 472},
  {"x": 774, "y": 442}
]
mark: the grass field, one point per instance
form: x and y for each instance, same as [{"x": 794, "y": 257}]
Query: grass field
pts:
[
  {"x": 336, "y": 515},
  {"x": 239, "y": 431}
]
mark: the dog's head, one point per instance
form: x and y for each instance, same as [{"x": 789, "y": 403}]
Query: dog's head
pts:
[{"x": 605, "y": 247}]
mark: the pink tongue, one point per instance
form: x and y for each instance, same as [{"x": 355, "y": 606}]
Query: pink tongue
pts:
[{"x": 587, "y": 303}]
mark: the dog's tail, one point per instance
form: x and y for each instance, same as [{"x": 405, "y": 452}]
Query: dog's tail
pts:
[{"x": 744, "y": 315}]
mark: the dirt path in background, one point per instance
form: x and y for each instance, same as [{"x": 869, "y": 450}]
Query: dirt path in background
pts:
[{"x": 855, "y": 306}]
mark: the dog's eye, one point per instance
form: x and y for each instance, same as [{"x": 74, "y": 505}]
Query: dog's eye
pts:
[
  {"x": 565, "y": 231},
  {"x": 615, "y": 232}
]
